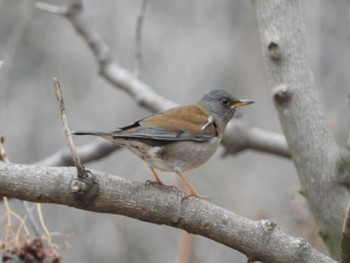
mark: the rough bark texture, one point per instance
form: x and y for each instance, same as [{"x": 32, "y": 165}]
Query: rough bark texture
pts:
[
  {"x": 259, "y": 240},
  {"x": 312, "y": 146}
]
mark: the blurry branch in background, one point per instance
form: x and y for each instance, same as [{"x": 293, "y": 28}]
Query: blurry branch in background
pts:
[
  {"x": 93, "y": 151},
  {"x": 111, "y": 71},
  {"x": 345, "y": 245},
  {"x": 138, "y": 39},
  {"x": 240, "y": 135},
  {"x": 186, "y": 251},
  {"x": 258, "y": 240},
  {"x": 144, "y": 95}
]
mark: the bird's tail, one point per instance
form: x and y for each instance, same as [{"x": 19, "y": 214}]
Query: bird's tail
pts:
[{"x": 94, "y": 133}]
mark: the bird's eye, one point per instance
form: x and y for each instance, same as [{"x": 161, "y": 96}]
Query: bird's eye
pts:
[{"x": 226, "y": 101}]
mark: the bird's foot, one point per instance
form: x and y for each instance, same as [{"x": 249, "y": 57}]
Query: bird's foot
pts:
[
  {"x": 158, "y": 182},
  {"x": 194, "y": 194}
]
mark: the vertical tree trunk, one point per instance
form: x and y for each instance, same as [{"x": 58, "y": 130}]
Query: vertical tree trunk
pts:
[{"x": 312, "y": 146}]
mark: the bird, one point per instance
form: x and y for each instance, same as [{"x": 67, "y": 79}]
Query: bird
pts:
[{"x": 179, "y": 139}]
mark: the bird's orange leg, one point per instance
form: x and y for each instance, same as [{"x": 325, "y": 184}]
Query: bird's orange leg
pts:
[
  {"x": 193, "y": 191},
  {"x": 157, "y": 181}
]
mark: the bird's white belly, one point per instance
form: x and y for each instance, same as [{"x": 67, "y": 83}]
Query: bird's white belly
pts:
[{"x": 181, "y": 156}]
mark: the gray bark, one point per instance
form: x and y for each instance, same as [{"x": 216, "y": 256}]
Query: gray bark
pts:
[
  {"x": 312, "y": 146},
  {"x": 259, "y": 240}
]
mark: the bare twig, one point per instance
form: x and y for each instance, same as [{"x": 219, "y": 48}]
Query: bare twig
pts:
[
  {"x": 32, "y": 220},
  {"x": 345, "y": 245},
  {"x": 138, "y": 38},
  {"x": 259, "y": 240},
  {"x": 9, "y": 211},
  {"x": 77, "y": 162}
]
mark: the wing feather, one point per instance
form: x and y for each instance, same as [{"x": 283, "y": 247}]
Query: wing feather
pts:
[{"x": 177, "y": 124}]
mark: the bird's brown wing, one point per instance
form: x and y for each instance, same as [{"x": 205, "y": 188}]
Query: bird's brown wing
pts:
[{"x": 186, "y": 123}]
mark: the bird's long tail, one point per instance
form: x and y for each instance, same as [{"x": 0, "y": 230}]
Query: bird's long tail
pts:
[{"x": 93, "y": 133}]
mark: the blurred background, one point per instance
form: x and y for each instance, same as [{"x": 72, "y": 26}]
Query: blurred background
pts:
[{"x": 189, "y": 47}]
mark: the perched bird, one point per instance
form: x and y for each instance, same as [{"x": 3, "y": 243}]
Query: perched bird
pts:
[{"x": 179, "y": 139}]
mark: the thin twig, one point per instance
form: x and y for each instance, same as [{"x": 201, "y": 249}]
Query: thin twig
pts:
[
  {"x": 9, "y": 211},
  {"x": 138, "y": 38},
  {"x": 42, "y": 222},
  {"x": 77, "y": 162},
  {"x": 32, "y": 220}
]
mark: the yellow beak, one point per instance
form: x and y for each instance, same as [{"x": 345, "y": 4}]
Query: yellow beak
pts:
[{"x": 241, "y": 103}]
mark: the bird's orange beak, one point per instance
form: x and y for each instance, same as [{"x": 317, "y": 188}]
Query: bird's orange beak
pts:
[{"x": 241, "y": 103}]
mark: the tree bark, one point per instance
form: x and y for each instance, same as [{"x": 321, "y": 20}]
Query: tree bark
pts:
[
  {"x": 259, "y": 240},
  {"x": 312, "y": 146}
]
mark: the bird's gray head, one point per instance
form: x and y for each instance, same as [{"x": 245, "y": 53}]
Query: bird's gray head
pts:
[{"x": 221, "y": 105}]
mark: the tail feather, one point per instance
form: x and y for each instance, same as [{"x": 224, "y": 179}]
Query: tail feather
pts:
[{"x": 94, "y": 133}]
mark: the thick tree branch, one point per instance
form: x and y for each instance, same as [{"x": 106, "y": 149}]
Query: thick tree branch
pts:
[
  {"x": 259, "y": 240},
  {"x": 312, "y": 146}
]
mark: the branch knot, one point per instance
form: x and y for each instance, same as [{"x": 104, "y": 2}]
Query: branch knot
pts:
[
  {"x": 274, "y": 51},
  {"x": 282, "y": 94},
  {"x": 268, "y": 225},
  {"x": 85, "y": 188}
]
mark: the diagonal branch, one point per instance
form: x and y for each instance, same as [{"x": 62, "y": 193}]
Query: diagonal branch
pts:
[
  {"x": 67, "y": 133},
  {"x": 259, "y": 240},
  {"x": 93, "y": 151}
]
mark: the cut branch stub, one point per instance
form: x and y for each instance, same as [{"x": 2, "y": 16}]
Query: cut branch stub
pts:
[
  {"x": 268, "y": 225},
  {"x": 85, "y": 189},
  {"x": 282, "y": 94}
]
